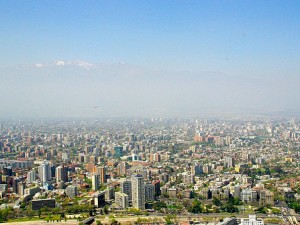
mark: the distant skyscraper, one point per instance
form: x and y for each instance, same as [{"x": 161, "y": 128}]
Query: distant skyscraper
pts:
[
  {"x": 138, "y": 191},
  {"x": 102, "y": 174},
  {"x": 229, "y": 161},
  {"x": 61, "y": 174},
  {"x": 118, "y": 151},
  {"x": 15, "y": 185},
  {"x": 45, "y": 172},
  {"x": 31, "y": 176},
  {"x": 207, "y": 168},
  {"x": 65, "y": 157},
  {"x": 196, "y": 169},
  {"x": 122, "y": 168},
  {"x": 95, "y": 182}
]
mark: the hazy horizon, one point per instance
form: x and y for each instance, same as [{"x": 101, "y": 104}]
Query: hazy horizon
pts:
[
  {"x": 149, "y": 58},
  {"x": 80, "y": 89}
]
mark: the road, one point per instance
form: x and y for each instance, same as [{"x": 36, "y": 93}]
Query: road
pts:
[{"x": 131, "y": 219}]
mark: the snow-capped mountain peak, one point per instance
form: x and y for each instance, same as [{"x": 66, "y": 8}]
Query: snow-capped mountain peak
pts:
[
  {"x": 83, "y": 64},
  {"x": 59, "y": 63}
]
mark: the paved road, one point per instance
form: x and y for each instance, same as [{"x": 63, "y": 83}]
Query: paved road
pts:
[
  {"x": 131, "y": 219},
  {"x": 37, "y": 222}
]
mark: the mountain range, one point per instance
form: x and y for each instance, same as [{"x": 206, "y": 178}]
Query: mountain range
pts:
[{"x": 77, "y": 88}]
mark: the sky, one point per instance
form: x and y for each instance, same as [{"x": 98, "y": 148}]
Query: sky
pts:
[{"x": 241, "y": 39}]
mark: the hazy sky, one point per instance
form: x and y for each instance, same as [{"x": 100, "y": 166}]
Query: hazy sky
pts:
[
  {"x": 240, "y": 39},
  {"x": 252, "y": 37}
]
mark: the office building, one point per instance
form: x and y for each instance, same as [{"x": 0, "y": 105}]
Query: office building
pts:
[
  {"x": 122, "y": 169},
  {"x": 99, "y": 199},
  {"x": 31, "y": 176},
  {"x": 100, "y": 170},
  {"x": 229, "y": 161},
  {"x": 43, "y": 203},
  {"x": 95, "y": 182},
  {"x": 149, "y": 192},
  {"x": 15, "y": 185},
  {"x": 138, "y": 191},
  {"x": 109, "y": 193},
  {"x": 126, "y": 188},
  {"x": 118, "y": 151},
  {"x": 61, "y": 174},
  {"x": 45, "y": 172}
]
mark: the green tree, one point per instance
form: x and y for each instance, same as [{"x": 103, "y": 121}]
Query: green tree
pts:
[
  {"x": 230, "y": 208},
  {"x": 39, "y": 213},
  {"x": 196, "y": 207},
  {"x": 114, "y": 222},
  {"x": 105, "y": 209},
  {"x": 170, "y": 219},
  {"x": 29, "y": 213},
  {"x": 217, "y": 202},
  {"x": 159, "y": 205},
  {"x": 234, "y": 201}
]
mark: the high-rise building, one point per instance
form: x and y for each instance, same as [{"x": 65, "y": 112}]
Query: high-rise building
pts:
[
  {"x": 99, "y": 199},
  {"x": 155, "y": 157},
  {"x": 118, "y": 151},
  {"x": 138, "y": 191},
  {"x": 95, "y": 182},
  {"x": 164, "y": 177},
  {"x": 149, "y": 192},
  {"x": 196, "y": 169},
  {"x": 109, "y": 193},
  {"x": 61, "y": 174},
  {"x": 229, "y": 161},
  {"x": 188, "y": 178},
  {"x": 207, "y": 168},
  {"x": 21, "y": 188},
  {"x": 31, "y": 176},
  {"x": 126, "y": 188},
  {"x": 15, "y": 185},
  {"x": 7, "y": 171},
  {"x": 122, "y": 168},
  {"x": 45, "y": 172},
  {"x": 65, "y": 156},
  {"x": 237, "y": 191},
  {"x": 121, "y": 199},
  {"x": 100, "y": 170},
  {"x": 156, "y": 188}
]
